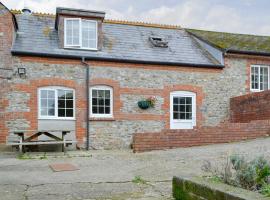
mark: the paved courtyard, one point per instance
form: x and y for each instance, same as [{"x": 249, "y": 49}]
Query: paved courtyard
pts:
[{"x": 111, "y": 174}]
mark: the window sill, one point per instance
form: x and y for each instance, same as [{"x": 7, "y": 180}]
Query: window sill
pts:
[
  {"x": 80, "y": 48},
  {"x": 58, "y": 119},
  {"x": 101, "y": 119}
]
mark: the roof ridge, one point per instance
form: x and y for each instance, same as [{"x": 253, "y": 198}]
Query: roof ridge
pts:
[
  {"x": 17, "y": 12},
  {"x": 138, "y": 23},
  {"x": 110, "y": 21}
]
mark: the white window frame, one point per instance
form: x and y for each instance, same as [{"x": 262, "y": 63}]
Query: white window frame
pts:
[
  {"x": 101, "y": 87},
  {"x": 80, "y": 34},
  {"x": 55, "y": 88},
  {"x": 259, "y": 71},
  {"x": 194, "y": 112}
]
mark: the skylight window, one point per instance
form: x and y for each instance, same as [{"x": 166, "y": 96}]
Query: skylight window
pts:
[
  {"x": 80, "y": 33},
  {"x": 158, "y": 41}
]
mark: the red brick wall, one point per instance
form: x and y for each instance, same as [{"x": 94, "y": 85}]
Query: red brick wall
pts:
[
  {"x": 6, "y": 37},
  {"x": 254, "y": 106},
  {"x": 229, "y": 132}
]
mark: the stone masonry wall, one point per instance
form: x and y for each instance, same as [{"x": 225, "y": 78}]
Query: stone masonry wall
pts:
[{"x": 131, "y": 82}]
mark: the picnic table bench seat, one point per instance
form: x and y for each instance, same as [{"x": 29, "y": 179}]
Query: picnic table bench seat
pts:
[{"x": 17, "y": 138}]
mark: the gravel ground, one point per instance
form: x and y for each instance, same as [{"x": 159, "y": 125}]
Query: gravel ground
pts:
[{"x": 109, "y": 174}]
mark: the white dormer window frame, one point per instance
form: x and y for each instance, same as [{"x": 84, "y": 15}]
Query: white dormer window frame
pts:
[{"x": 79, "y": 45}]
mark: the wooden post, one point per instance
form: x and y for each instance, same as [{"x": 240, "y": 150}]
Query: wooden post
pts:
[
  {"x": 21, "y": 148},
  {"x": 64, "y": 141}
]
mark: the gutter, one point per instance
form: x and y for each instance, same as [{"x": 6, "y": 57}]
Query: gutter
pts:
[
  {"x": 87, "y": 100},
  {"x": 50, "y": 55},
  {"x": 247, "y": 52}
]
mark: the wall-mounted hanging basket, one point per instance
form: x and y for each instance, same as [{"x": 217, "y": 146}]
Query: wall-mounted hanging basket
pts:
[{"x": 143, "y": 104}]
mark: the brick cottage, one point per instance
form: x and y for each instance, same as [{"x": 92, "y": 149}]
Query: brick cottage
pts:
[{"x": 76, "y": 70}]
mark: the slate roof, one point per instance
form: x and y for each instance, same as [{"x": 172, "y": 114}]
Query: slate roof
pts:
[
  {"x": 121, "y": 41},
  {"x": 232, "y": 41}
]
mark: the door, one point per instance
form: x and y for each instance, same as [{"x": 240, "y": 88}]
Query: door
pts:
[{"x": 182, "y": 110}]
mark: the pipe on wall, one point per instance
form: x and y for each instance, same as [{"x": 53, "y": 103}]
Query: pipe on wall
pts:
[{"x": 87, "y": 100}]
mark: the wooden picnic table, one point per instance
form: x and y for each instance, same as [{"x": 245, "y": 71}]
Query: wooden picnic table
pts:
[{"x": 24, "y": 139}]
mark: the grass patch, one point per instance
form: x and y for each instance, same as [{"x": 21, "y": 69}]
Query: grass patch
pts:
[
  {"x": 24, "y": 156},
  {"x": 215, "y": 179},
  {"x": 265, "y": 190},
  {"x": 44, "y": 156},
  {"x": 138, "y": 180}
]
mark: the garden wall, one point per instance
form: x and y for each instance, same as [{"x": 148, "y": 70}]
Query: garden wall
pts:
[
  {"x": 254, "y": 106},
  {"x": 198, "y": 189},
  {"x": 228, "y": 132}
]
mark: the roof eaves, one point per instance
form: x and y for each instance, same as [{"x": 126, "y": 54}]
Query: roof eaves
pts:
[{"x": 51, "y": 55}]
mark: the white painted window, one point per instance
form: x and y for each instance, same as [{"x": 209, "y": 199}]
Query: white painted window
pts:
[
  {"x": 101, "y": 101},
  {"x": 182, "y": 110},
  {"x": 80, "y": 33},
  {"x": 259, "y": 77},
  {"x": 56, "y": 103}
]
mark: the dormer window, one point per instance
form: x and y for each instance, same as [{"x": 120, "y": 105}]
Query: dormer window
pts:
[{"x": 80, "y": 33}]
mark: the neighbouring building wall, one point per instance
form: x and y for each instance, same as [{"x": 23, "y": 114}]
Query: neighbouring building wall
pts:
[{"x": 7, "y": 34}]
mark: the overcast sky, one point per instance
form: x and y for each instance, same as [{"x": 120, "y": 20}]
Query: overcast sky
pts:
[{"x": 240, "y": 16}]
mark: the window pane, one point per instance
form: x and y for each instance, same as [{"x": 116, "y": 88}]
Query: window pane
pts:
[
  {"x": 61, "y": 112},
  {"x": 175, "y": 108},
  {"x": 255, "y": 77},
  {"x": 94, "y": 93},
  {"x": 182, "y": 108},
  {"x": 188, "y": 100},
  {"x": 51, "y": 103},
  {"x": 188, "y": 108},
  {"x": 43, "y": 102},
  {"x": 51, "y": 112},
  {"x": 43, "y": 94},
  {"x": 101, "y": 101},
  {"x": 43, "y": 112},
  {"x": 107, "y": 110},
  {"x": 101, "y": 110},
  {"x": 182, "y": 100},
  {"x": 94, "y": 110},
  {"x": 107, "y": 102},
  {"x": 69, "y": 94},
  {"x": 101, "y": 93},
  {"x": 69, "y": 103},
  {"x": 69, "y": 112},
  {"x": 61, "y": 94},
  {"x": 176, "y": 115},
  {"x": 51, "y": 94},
  {"x": 89, "y": 36},
  {"x": 61, "y": 104},
  {"x": 189, "y": 116},
  {"x": 107, "y": 94},
  {"x": 182, "y": 115},
  {"x": 175, "y": 100},
  {"x": 94, "y": 101},
  {"x": 72, "y": 31}
]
